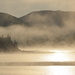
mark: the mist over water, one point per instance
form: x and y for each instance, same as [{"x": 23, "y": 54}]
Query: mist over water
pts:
[{"x": 41, "y": 36}]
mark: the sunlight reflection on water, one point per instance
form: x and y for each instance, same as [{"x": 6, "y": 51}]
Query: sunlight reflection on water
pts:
[
  {"x": 37, "y": 70},
  {"x": 35, "y": 57},
  {"x": 61, "y": 70},
  {"x": 58, "y": 56}
]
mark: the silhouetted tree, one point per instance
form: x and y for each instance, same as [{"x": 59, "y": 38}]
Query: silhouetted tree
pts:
[{"x": 7, "y": 45}]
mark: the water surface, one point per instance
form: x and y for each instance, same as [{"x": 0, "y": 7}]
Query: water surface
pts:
[{"x": 38, "y": 70}]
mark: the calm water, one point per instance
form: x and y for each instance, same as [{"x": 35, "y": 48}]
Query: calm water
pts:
[
  {"x": 37, "y": 70},
  {"x": 44, "y": 70}
]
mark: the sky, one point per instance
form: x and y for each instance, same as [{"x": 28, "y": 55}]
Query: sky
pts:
[{"x": 20, "y": 8}]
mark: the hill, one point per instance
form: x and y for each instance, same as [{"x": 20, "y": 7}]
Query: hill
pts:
[
  {"x": 6, "y": 20},
  {"x": 49, "y": 18},
  {"x": 50, "y": 28}
]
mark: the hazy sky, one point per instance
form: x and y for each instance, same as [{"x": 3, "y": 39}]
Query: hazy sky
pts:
[{"x": 22, "y": 7}]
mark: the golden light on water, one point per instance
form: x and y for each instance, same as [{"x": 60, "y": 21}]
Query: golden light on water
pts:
[
  {"x": 58, "y": 56},
  {"x": 59, "y": 70},
  {"x": 55, "y": 56}
]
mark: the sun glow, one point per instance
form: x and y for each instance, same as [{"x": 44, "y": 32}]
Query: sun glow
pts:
[
  {"x": 61, "y": 51},
  {"x": 59, "y": 70},
  {"x": 58, "y": 56}
]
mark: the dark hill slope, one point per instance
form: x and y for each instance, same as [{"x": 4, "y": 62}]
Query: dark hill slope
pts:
[
  {"x": 6, "y": 20},
  {"x": 49, "y": 18}
]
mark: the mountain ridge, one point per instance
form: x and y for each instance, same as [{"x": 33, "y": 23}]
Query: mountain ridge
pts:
[
  {"x": 38, "y": 18},
  {"x": 7, "y": 19},
  {"x": 48, "y": 18}
]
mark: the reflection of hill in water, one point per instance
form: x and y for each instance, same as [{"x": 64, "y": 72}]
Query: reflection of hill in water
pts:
[{"x": 7, "y": 45}]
